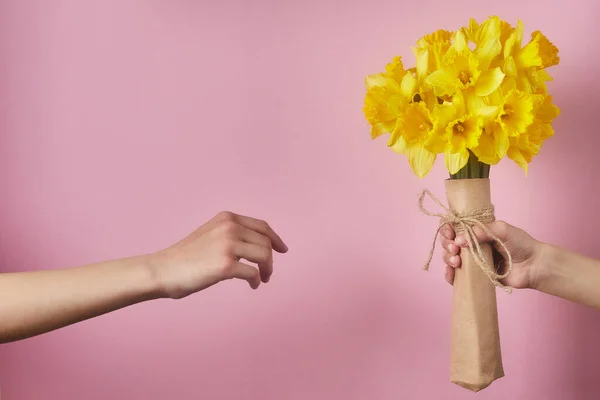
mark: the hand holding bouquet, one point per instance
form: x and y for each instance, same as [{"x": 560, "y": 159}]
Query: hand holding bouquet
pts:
[{"x": 476, "y": 96}]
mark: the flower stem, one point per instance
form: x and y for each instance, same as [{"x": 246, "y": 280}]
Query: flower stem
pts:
[{"x": 474, "y": 169}]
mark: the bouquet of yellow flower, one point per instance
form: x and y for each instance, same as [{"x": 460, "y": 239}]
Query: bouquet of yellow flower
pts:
[{"x": 476, "y": 95}]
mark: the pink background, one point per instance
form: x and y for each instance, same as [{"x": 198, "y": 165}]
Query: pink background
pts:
[{"x": 125, "y": 124}]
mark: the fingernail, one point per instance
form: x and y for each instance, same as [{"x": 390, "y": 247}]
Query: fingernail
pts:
[
  {"x": 452, "y": 248},
  {"x": 461, "y": 241},
  {"x": 454, "y": 260}
]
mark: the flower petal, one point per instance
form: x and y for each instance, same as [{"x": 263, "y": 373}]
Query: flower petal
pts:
[
  {"x": 442, "y": 83},
  {"x": 378, "y": 80},
  {"x": 420, "y": 160},
  {"x": 548, "y": 51},
  {"x": 501, "y": 142},
  {"x": 422, "y": 62},
  {"x": 395, "y": 69},
  {"x": 489, "y": 45},
  {"x": 456, "y": 161},
  {"x": 489, "y": 81},
  {"x": 518, "y": 157},
  {"x": 460, "y": 42},
  {"x": 486, "y": 151},
  {"x": 529, "y": 56},
  {"x": 381, "y": 128},
  {"x": 400, "y": 146},
  {"x": 408, "y": 87},
  {"x": 547, "y": 111},
  {"x": 513, "y": 43}
]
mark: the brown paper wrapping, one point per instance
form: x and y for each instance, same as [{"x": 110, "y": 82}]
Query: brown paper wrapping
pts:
[{"x": 476, "y": 360}]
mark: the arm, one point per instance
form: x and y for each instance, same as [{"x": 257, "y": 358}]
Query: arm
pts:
[
  {"x": 549, "y": 269},
  {"x": 32, "y": 303},
  {"x": 568, "y": 275}
]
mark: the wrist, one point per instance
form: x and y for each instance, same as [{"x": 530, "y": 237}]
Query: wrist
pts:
[
  {"x": 541, "y": 267},
  {"x": 153, "y": 286}
]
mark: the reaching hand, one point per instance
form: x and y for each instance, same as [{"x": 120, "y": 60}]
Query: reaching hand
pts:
[
  {"x": 524, "y": 249},
  {"x": 212, "y": 254}
]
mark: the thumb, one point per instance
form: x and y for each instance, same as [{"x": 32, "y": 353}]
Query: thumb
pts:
[{"x": 499, "y": 229}]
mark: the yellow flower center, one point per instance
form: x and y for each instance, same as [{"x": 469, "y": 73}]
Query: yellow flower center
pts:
[
  {"x": 464, "y": 77},
  {"x": 425, "y": 126},
  {"x": 508, "y": 111},
  {"x": 458, "y": 129}
]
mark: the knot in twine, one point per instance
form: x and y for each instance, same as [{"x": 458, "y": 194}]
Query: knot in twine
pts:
[{"x": 465, "y": 223}]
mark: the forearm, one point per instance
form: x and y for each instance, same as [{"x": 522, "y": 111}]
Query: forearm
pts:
[
  {"x": 570, "y": 276},
  {"x": 32, "y": 303}
]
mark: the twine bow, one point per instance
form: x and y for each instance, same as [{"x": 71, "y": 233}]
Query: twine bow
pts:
[{"x": 465, "y": 223}]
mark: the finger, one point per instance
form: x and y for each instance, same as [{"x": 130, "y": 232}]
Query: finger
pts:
[
  {"x": 249, "y": 236},
  {"x": 450, "y": 246},
  {"x": 247, "y": 273},
  {"x": 256, "y": 225},
  {"x": 255, "y": 238},
  {"x": 452, "y": 260},
  {"x": 447, "y": 232},
  {"x": 499, "y": 229},
  {"x": 450, "y": 275},
  {"x": 260, "y": 255}
]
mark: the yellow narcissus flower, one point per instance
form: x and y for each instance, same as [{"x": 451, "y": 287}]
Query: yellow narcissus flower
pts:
[
  {"x": 377, "y": 112},
  {"x": 486, "y": 38},
  {"x": 462, "y": 69},
  {"x": 515, "y": 113},
  {"x": 416, "y": 138},
  {"x": 430, "y": 52},
  {"x": 546, "y": 111},
  {"x": 386, "y": 92},
  {"x": 493, "y": 144},
  {"x": 477, "y": 92},
  {"x": 538, "y": 53},
  {"x": 527, "y": 145},
  {"x": 546, "y": 50},
  {"x": 513, "y": 109},
  {"x": 460, "y": 131},
  {"x": 524, "y": 147}
]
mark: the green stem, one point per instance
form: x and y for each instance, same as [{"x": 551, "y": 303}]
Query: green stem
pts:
[{"x": 474, "y": 169}]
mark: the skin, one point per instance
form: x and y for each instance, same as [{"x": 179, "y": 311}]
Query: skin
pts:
[
  {"x": 32, "y": 303},
  {"x": 536, "y": 265}
]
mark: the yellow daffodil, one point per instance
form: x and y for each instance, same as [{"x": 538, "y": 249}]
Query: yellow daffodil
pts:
[
  {"x": 515, "y": 113},
  {"x": 547, "y": 52},
  {"x": 538, "y": 53},
  {"x": 377, "y": 112},
  {"x": 439, "y": 36},
  {"x": 462, "y": 69},
  {"x": 416, "y": 137},
  {"x": 430, "y": 52},
  {"x": 546, "y": 111},
  {"x": 460, "y": 131},
  {"x": 506, "y": 30},
  {"x": 485, "y": 37},
  {"x": 526, "y": 146},
  {"x": 512, "y": 109},
  {"x": 493, "y": 144},
  {"x": 477, "y": 92},
  {"x": 385, "y": 96}
]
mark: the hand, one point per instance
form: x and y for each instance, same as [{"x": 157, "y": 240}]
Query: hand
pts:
[
  {"x": 212, "y": 254},
  {"x": 524, "y": 249}
]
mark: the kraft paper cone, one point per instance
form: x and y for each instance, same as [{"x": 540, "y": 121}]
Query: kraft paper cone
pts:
[{"x": 476, "y": 360}]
